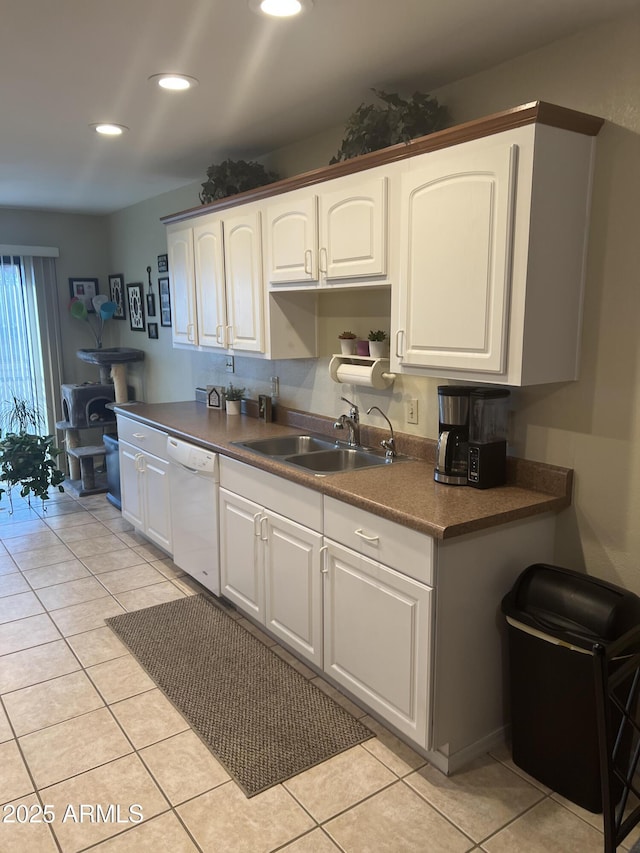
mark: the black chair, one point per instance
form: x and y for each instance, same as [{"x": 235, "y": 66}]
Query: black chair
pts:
[{"x": 617, "y": 693}]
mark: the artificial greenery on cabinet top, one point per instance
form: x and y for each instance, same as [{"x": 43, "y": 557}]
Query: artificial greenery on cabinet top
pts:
[
  {"x": 232, "y": 177},
  {"x": 373, "y": 126}
]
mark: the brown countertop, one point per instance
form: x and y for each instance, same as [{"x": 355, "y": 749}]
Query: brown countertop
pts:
[{"x": 404, "y": 492}]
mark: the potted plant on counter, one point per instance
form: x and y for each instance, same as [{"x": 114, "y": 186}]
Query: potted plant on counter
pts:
[
  {"x": 233, "y": 396},
  {"x": 347, "y": 343},
  {"x": 378, "y": 343}
]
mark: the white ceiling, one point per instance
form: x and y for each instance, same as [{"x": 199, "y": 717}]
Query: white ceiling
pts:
[{"x": 263, "y": 83}]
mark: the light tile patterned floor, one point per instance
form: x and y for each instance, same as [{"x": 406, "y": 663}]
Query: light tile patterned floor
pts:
[{"x": 81, "y": 723}]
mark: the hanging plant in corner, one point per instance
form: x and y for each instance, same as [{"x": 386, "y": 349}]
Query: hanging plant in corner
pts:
[
  {"x": 373, "y": 126},
  {"x": 232, "y": 177}
]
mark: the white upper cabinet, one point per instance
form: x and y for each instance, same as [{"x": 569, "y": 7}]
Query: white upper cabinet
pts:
[
  {"x": 292, "y": 240},
  {"x": 183, "y": 285},
  {"x": 208, "y": 247},
  {"x": 480, "y": 232},
  {"x": 456, "y": 226},
  {"x": 215, "y": 268},
  {"x": 335, "y": 238},
  {"x": 243, "y": 272},
  {"x": 492, "y": 258},
  {"x": 353, "y": 229}
]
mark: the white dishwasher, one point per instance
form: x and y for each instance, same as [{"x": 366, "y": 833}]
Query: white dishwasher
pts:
[{"x": 193, "y": 481}]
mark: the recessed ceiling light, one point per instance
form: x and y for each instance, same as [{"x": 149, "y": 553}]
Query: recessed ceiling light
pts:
[
  {"x": 175, "y": 82},
  {"x": 108, "y": 129},
  {"x": 280, "y": 8}
]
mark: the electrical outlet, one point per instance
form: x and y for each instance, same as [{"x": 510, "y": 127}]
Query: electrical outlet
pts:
[
  {"x": 412, "y": 411},
  {"x": 228, "y": 365}
]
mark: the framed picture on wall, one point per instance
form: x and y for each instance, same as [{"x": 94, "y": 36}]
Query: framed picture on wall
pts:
[
  {"x": 84, "y": 289},
  {"x": 152, "y": 329},
  {"x": 116, "y": 294},
  {"x": 135, "y": 298},
  {"x": 165, "y": 302}
]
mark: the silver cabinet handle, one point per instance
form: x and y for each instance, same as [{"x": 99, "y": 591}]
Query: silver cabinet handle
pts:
[
  {"x": 190, "y": 333},
  {"x": 400, "y": 349},
  {"x": 323, "y": 260},
  {"x": 308, "y": 259},
  {"x": 256, "y": 526},
  {"x": 140, "y": 435}
]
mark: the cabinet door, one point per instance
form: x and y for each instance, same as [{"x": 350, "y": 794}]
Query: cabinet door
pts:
[
  {"x": 183, "y": 287},
  {"x": 377, "y": 640},
  {"x": 292, "y": 241},
  {"x": 210, "y": 288},
  {"x": 353, "y": 230},
  {"x": 293, "y": 585},
  {"x": 155, "y": 479},
  {"x": 243, "y": 271},
  {"x": 241, "y": 570},
  {"x": 130, "y": 487},
  {"x": 456, "y": 227}
]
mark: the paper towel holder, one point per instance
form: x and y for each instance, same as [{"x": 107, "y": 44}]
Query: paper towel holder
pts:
[{"x": 361, "y": 370}]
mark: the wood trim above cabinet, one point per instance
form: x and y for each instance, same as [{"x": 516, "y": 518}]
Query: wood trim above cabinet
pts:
[{"x": 539, "y": 112}]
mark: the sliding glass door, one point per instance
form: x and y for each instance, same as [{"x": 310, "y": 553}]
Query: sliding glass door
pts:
[{"x": 23, "y": 369}]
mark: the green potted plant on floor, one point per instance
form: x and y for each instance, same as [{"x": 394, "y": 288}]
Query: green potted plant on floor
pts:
[
  {"x": 27, "y": 458},
  {"x": 233, "y": 397}
]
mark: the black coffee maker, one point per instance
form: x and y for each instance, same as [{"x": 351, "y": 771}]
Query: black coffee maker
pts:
[
  {"x": 453, "y": 435},
  {"x": 488, "y": 415}
]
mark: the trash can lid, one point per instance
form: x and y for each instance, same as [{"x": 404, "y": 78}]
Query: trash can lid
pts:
[{"x": 571, "y": 606}]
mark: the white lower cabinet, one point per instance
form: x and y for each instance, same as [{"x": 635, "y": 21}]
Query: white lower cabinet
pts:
[
  {"x": 377, "y": 638},
  {"x": 144, "y": 481},
  {"x": 270, "y": 561},
  {"x": 408, "y": 626},
  {"x": 241, "y": 572}
]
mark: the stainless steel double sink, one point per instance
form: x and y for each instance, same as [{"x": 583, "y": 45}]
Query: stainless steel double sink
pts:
[{"x": 319, "y": 455}]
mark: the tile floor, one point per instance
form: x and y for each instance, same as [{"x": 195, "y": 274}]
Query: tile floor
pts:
[{"x": 81, "y": 724}]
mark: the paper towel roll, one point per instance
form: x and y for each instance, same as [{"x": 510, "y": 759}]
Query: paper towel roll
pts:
[
  {"x": 355, "y": 374},
  {"x": 367, "y": 372}
]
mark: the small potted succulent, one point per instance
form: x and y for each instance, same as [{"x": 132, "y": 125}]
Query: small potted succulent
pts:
[
  {"x": 378, "y": 343},
  {"x": 233, "y": 396},
  {"x": 347, "y": 343}
]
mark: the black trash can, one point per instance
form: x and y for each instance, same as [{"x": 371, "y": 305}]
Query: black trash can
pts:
[{"x": 555, "y": 617}]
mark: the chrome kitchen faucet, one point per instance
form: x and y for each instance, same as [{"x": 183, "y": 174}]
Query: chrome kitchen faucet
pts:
[
  {"x": 389, "y": 444},
  {"x": 352, "y": 421}
]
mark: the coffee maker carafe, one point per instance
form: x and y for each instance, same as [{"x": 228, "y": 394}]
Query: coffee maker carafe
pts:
[
  {"x": 453, "y": 435},
  {"x": 488, "y": 414}
]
